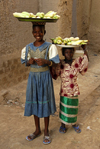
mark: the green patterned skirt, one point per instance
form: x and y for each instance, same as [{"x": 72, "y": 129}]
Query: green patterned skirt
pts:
[{"x": 68, "y": 110}]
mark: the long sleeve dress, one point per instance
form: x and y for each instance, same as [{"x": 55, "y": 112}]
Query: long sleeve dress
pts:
[
  {"x": 40, "y": 100},
  {"x": 69, "y": 89}
]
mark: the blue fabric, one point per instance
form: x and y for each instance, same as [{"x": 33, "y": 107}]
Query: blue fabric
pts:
[
  {"x": 43, "y": 46},
  {"x": 34, "y": 48},
  {"x": 40, "y": 100},
  {"x": 55, "y": 59}
]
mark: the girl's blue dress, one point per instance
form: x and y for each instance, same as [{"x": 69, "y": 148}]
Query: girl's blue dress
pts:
[{"x": 40, "y": 100}]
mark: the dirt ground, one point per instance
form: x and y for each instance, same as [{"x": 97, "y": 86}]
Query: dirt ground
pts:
[{"x": 14, "y": 127}]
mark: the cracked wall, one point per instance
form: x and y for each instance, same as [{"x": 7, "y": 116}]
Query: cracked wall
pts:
[{"x": 14, "y": 35}]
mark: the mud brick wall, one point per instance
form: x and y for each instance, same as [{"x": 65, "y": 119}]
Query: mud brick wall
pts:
[
  {"x": 88, "y": 22},
  {"x": 14, "y": 35},
  {"x": 12, "y": 72},
  {"x": 51, "y": 28}
]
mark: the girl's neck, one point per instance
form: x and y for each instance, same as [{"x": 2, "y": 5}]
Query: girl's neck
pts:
[
  {"x": 68, "y": 61},
  {"x": 38, "y": 43}
]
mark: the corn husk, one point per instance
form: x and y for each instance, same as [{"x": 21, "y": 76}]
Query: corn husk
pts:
[
  {"x": 59, "y": 41},
  {"x": 69, "y": 41},
  {"x": 31, "y": 15},
  {"x": 20, "y": 15},
  {"x": 50, "y": 14},
  {"x": 40, "y": 14},
  {"x": 24, "y": 14},
  {"x": 58, "y": 38},
  {"x": 74, "y": 39},
  {"x": 55, "y": 41},
  {"x": 56, "y": 17}
]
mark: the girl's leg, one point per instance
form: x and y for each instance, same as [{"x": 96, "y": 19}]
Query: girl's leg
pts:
[
  {"x": 46, "y": 130},
  {"x": 37, "y": 131},
  {"x": 37, "y": 125},
  {"x": 63, "y": 125},
  {"x": 46, "y": 124}
]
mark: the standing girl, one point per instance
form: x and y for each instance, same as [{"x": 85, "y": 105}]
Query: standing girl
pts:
[
  {"x": 69, "y": 70},
  {"x": 40, "y": 100}
]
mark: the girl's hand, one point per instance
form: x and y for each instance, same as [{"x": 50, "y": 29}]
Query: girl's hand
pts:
[
  {"x": 41, "y": 62},
  {"x": 58, "y": 69},
  {"x": 31, "y": 61},
  {"x": 83, "y": 47}
]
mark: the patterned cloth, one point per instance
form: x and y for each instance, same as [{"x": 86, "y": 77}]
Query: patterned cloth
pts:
[
  {"x": 40, "y": 100},
  {"x": 70, "y": 90},
  {"x": 68, "y": 110},
  {"x": 69, "y": 74}
]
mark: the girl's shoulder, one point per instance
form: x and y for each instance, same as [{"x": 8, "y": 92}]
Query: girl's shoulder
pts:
[
  {"x": 48, "y": 44},
  {"x": 30, "y": 44}
]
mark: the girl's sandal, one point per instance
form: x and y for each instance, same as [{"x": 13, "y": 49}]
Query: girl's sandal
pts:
[
  {"x": 46, "y": 138},
  {"x": 32, "y": 136},
  {"x": 77, "y": 129},
  {"x": 62, "y": 130}
]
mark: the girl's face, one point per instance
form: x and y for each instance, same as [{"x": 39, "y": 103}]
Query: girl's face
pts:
[
  {"x": 38, "y": 33},
  {"x": 68, "y": 54}
]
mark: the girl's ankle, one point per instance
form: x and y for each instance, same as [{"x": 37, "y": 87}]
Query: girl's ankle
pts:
[
  {"x": 46, "y": 133},
  {"x": 63, "y": 125}
]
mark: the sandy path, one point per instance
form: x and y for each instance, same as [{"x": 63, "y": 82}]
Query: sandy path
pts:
[{"x": 14, "y": 127}]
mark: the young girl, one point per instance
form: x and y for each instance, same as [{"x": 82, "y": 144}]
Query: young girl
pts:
[
  {"x": 40, "y": 100},
  {"x": 68, "y": 71}
]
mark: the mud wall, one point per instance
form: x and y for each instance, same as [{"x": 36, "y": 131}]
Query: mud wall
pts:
[
  {"x": 83, "y": 18},
  {"x": 88, "y": 22},
  {"x": 94, "y": 26},
  {"x": 63, "y": 26},
  {"x": 51, "y": 28},
  {"x": 14, "y": 35},
  {"x": 65, "y": 21}
]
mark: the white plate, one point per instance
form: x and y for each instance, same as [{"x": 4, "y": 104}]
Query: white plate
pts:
[{"x": 67, "y": 46}]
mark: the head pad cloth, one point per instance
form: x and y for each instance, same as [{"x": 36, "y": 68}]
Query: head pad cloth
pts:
[{"x": 38, "y": 23}]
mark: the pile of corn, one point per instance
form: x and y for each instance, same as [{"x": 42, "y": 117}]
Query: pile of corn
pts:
[
  {"x": 69, "y": 41},
  {"x": 24, "y": 14}
]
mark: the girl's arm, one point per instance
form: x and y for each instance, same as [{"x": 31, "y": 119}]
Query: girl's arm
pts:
[
  {"x": 85, "y": 52},
  {"x": 83, "y": 61},
  {"x": 54, "y": 57},
  {"x": 26, "y": 57},
  {"x": 55, "y": 71}
]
